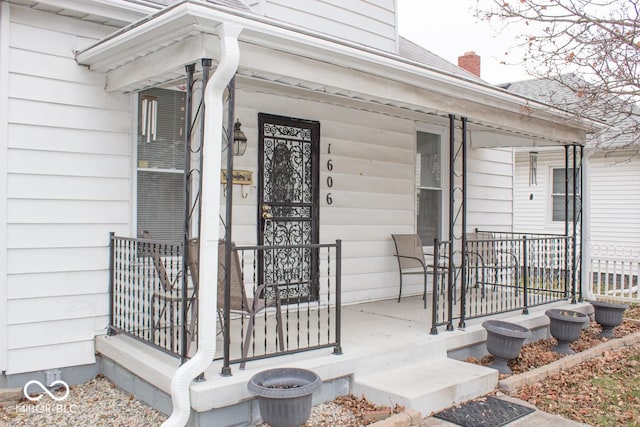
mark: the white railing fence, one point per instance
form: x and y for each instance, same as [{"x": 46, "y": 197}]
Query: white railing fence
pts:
[{"x": 614, "y": 272}]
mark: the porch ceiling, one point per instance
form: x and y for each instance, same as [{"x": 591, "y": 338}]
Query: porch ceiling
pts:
[{"x": 154, "y": 51}]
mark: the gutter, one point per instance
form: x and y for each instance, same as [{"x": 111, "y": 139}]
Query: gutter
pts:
[{"x": 209, "y": 227}]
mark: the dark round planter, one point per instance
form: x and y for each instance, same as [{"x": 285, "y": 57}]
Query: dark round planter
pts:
[
  {"x": 565, "y": 326},
  {"x": 284, "y": 395},
  {"x": 504, "y": 341},
  {"x": 608, "y": 315}
]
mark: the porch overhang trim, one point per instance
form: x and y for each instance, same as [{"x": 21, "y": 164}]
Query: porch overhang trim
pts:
[
  {"x": 120, "y": 12},
  {"x": 177, "y": 23}
]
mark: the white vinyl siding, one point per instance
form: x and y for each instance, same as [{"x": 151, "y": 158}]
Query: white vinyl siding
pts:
[
  {"x": 489, "y": 189},
  {"x": 374, "y": 184},
  {"x": 531, "y": 202},
  {"x": 371, "y": 23},
  {"x": 614, "y": 185},
  {"x": 68, "y": 186},
  {"x": 614, "y": 191}
]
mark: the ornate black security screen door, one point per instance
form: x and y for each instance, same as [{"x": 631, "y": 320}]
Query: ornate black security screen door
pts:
[{"x": 288, "y": 205}]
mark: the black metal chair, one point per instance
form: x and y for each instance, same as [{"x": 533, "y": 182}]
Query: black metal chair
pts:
[
  {"x": 242, "y": 304},
  {"x": 411, "y": 259},
  {"x": 490, "y": 265}
]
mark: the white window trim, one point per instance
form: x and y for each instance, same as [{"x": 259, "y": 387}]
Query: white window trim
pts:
[{"x": 443, "y": 131}]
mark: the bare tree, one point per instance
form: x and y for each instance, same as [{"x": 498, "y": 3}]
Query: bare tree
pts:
[{"x": 590, "y": 47}]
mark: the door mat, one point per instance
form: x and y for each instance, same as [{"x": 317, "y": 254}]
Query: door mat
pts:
[{"x": 485, "y": 412}]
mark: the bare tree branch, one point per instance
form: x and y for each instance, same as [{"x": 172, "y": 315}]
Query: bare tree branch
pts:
[{"x": 590, "y": 47}]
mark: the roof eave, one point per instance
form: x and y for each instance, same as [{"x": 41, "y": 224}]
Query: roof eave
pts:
[{"x": 184, "y": 19}]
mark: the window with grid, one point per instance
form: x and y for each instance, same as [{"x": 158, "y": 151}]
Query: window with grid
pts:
[{"x": 160, "y": 172}]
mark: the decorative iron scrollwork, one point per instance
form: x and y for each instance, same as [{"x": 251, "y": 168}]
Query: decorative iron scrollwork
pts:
[{"x": 288, "y": 184}]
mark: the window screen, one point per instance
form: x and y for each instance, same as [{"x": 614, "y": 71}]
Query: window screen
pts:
[
  {"x": 428, "y": 187},
  {"x": 160, "y": 190}
]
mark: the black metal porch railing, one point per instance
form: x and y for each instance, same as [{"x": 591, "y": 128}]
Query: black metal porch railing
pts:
[
  {"x": 299, "y": 309},
  {"x": 147, "y": 300},
  {"x": 153, "y": 301},
  {"x": 500, "y": 272}
]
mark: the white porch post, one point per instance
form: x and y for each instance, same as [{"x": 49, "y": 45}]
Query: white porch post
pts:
[{"x": 587, "y": 290}]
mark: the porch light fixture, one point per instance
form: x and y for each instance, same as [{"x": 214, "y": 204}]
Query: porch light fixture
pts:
[
  {"x": 239, "y": 139},
  {"x": 533, "y": 168}
]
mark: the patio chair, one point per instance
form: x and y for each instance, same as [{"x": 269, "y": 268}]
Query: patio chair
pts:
[
  {"x": 411, "y": 259},
  {"x": 488, "y": 265},
  {"x": 242, "y": 304},
  {"x": 170, "y": 295}
]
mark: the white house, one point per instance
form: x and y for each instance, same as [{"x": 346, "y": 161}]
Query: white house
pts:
[
  {"x": 93, "y": 122},
  {"x": 611, "y": 197}
]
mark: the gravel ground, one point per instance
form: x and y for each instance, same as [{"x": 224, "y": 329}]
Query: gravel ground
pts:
[
  {"x": 100, "y": 403},
  {"x": 332, "y": 415},
  {"x": 95, "y": 403}
]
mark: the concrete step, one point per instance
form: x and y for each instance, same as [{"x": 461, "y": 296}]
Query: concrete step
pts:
[{"x": 427, "y": 386}]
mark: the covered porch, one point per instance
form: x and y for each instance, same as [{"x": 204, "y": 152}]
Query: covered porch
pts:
[{"x": 329, "y": 309}]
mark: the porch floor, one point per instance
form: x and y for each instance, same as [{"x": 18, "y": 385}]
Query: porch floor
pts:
[{"x": 377, "y": 337}]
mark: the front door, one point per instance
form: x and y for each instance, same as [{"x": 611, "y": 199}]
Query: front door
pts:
[{"x": 288, "y": 205}]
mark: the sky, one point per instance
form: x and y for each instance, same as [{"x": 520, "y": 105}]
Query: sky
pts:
[{"x": 449, "y": 29}]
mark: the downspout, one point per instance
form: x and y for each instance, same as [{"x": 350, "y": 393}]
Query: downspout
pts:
[{"x": 209, "y": 227}]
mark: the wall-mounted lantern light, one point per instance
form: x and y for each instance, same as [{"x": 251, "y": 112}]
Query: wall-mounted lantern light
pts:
[{"x": 239, "y": 139}]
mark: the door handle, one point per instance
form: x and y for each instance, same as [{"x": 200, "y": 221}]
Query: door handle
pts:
[{"x": 266, "y": 212}]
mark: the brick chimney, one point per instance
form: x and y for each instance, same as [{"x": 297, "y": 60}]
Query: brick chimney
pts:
[{"x": 470, "y": 62}]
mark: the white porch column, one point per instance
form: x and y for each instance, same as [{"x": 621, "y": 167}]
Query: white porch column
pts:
[{"x": 585, "y": 253}]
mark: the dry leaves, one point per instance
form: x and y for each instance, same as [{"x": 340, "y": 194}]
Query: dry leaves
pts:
[
  {"x": 602, "y": 391},
  {"x": 366, "y": 411}
]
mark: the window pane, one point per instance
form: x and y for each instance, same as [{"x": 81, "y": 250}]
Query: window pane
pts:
[
  {"x": 428, "y": 160},
  {"x": 558, "y": 181},
  {"x": 558, "y": 208},
  {"x": 161, "y": 140},
  {"x": 161, "y": 204},
  {"x": 429, "y": 213},
  {"x": 161, "y": 129}
]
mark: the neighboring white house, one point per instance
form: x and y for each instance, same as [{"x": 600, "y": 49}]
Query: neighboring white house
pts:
[
  {"x": 92, "y": 133},
  {"x": 611, "y": 198}
]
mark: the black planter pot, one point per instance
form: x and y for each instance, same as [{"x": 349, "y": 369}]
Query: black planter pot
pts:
[
  {"x": 284, "y": 395},
  {"x": 608, "y": 315},
  {"x": 504, "y": 341},
  {"x": 565, "y": 326}
]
